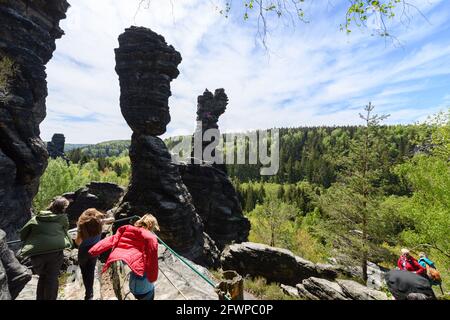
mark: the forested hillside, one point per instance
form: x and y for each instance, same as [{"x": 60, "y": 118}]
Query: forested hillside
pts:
[
  {"x": 306, "y": 153},
  {"x": 101, "y": 150},
  {"x": 356, "y": 193}
]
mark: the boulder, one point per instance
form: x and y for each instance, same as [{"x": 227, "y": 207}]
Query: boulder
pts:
[
  {"x": 274, "y": 264},
  {"x": 324, "y": 289},
  {"x": 357, "y": 291},
  {"x": 102, "y": 196},
  {"x": 376, "y": 276},
  {"x": 4, "y": 290},
  {"x": 13, "y": 275},
  {"x": 290, "y": 291},
  {"x": 28, "y": 30},
  {"x": 305, "y": 294}
]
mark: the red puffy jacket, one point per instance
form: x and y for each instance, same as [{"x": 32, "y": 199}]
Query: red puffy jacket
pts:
[
  {"x": 137, "y": 247},
  {"x": 410, "y": 264}
]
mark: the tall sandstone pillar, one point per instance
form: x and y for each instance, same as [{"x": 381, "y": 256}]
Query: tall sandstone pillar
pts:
[
  {"x": 28, "y": 30},
  {"x": 146, "y": 65}
]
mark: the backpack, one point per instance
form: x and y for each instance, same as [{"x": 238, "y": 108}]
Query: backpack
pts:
[{"x": 433, "y": 274}]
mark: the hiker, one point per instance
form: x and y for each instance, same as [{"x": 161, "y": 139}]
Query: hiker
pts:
[
  {"x": 89, "y": 232},
  {"x": 44, "y": 239},
  {"x": 408, "y": 286},
  {"x": 431, "y": 270},
  {"x": 136, "y": 246},
  {"x": 407, "y": 262}
]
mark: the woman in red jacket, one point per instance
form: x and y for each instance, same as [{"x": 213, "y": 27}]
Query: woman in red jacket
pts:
[
  {"x": 407, "y": 262},
  {"x": 136, "y": 246}
]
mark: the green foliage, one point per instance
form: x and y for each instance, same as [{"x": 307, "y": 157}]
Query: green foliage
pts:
[
  {"x": 359, "y": 12},
  {"x": 7, "y": 71},
  {"x": 351, "y": 206},
  {"x": 274, "y": 222},
  {"x": 280, "y": 224},
  {"x": 311, "y": 154},
  {"x": 60, "y": 178},
  {"x": 116, "y": 148},
  {"x": 260, "y": 288},
  {"x": 440, "y": 137}
]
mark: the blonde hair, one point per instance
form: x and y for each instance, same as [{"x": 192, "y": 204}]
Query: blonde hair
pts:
[
  {"x": 404, "y": 251},
  {"x": 148, "y": 222}
]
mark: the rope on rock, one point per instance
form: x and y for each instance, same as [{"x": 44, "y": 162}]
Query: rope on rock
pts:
[
  {"x": 209, "y": 281},
  {"x": 173, "y": 284}
]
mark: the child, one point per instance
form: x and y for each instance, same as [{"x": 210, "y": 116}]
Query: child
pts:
[
  {"x": 89, "y": 231},
  {"x": 136, "y": 246}
]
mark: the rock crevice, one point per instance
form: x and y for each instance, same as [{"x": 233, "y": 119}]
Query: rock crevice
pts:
[{"x": 28, "y": 30}]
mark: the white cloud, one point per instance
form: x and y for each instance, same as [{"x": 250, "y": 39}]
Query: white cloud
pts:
[{"x": 311, "y": 75}]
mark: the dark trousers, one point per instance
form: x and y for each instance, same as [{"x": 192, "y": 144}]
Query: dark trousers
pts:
[
  {"x": 87, "y": 265},
  {"x": 47, "y": 267}
]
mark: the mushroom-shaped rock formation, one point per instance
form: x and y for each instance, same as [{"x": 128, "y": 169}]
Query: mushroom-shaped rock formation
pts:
[
  {"x": 146, "y": 65},
  {"x": 55, "y": 147},
  {"x": 214, "y": 196}
]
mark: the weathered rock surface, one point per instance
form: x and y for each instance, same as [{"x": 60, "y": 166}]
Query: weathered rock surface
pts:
[
  {"x": 290, "y": 291},
  {"x": 213, "y": 194},
  {"x": 357, "y": 291},
  {"x": 217, "y": 203},
  {"x": 305, "y": 294},
  {"x": 13, "y": 275},
  {"x": 146, "y": 65},
  {"x": 55, "y": 147},
  {"x": 209, "y": 108},
  {"x": 274, "y": 264},
  {"x": 324, "y": 289},
  {"x": 375, "y": 273},
  {"x": 28, "y": 30},
  {"x": 182, "y": 278},
  {"x": 99, "y": 195}
]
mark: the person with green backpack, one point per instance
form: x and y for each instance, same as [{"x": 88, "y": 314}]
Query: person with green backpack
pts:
[{"x": 44, "y": 238}]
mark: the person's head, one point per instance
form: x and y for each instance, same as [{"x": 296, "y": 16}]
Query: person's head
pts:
[
  {"x": 148, "y": 222},
  {"x": 90, "y": 223},
  {"x": 405, "y": 252},
  {"x": 422, "y": 255},
  {"x": 92, "y": 212},
  {"x": 58, "y": 205}
]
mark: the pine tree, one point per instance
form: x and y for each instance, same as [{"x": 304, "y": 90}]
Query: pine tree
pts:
[{"x": 351, "y": 205}]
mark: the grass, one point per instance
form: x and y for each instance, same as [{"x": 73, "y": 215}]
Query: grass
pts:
[
  {"x": 266, "y": 291},
  {"x": 259, "y": 287},
  {"x": 7, "y": 71}
]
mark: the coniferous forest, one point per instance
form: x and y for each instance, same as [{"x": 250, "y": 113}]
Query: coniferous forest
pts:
[{"x": 356, "y": 192}]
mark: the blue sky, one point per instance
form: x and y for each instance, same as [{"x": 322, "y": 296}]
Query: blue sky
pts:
[{"x": 311, "y": 74}]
